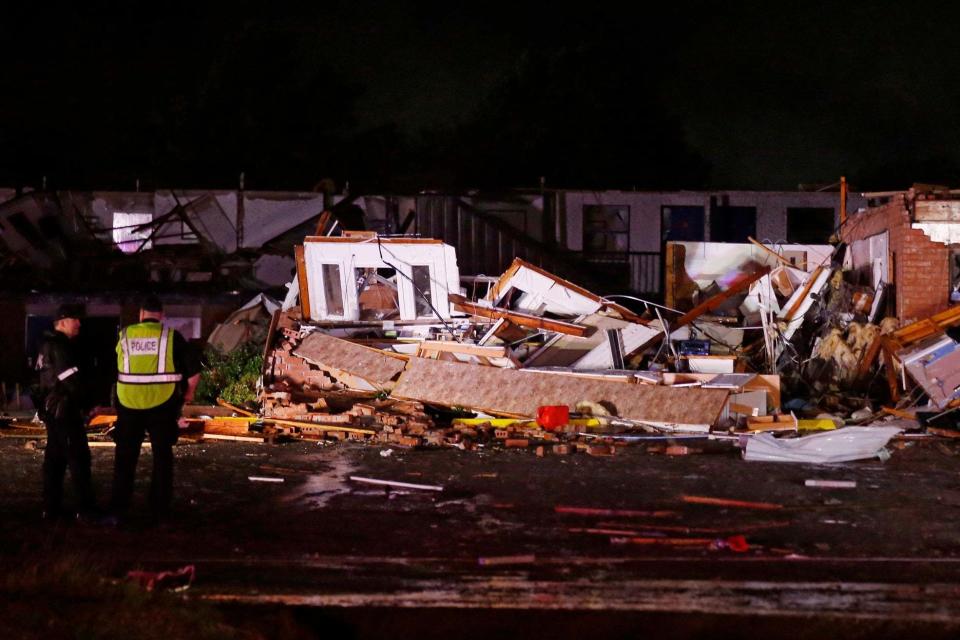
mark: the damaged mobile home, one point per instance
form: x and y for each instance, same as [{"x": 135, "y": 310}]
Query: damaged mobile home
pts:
[{"x": 382, "y": 338}]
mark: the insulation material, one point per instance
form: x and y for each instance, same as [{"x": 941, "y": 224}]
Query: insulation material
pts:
[
  {"x": 340, "y": 356},
  {"x": 842, "y": 445},
  {"x": 520, "y": 392}
]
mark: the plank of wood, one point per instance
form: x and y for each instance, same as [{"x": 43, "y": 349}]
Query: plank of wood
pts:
[
  {"x": 317, "y": 426},
  {"x": 322, "y": 222},
  {"x": 521, "y": 319},
  {"x": 434, "y": 346},
  {"x": 803, "y": 295},
  {"x": 868, "y": 359},
  {"x": 376, "y": 367},
  {"x": 891, "y": 374},
  {"x": 302, "y": 281},
  {"x": 233, "y": 438},
  {"x": 726, "y": 502},
  {"x": 520, "y": 392},
  {"x": 899, "y": 413},
  {"x": 242, "y": 412},
  {"x": 269, "y": 342},
  {"x": 927, "y": 327}
]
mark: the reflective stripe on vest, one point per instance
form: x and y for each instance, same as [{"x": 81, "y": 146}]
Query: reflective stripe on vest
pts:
[{"x": 147, "y": 375}]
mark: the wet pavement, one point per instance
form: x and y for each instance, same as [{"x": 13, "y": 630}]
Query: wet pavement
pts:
[{"x": 576, "y": 535}]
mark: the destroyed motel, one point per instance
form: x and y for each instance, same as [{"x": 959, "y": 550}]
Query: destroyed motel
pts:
[{"x": 563, "y": 321}]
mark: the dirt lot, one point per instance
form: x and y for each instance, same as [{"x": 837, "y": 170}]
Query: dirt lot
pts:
[{"x": 498, "y": 549}]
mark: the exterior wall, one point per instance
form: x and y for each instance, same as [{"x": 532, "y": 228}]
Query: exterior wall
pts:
[
  {"x": 921, "y": 267},
  {"x": 645, "y": 211}
]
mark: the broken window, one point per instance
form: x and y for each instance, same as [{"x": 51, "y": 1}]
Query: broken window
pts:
[
  {"x": 126, "y": 234},
  {"x": 809, "y": 225},
  {"x": 606, "y": 228},
  {"x": 422, "y": 290},
  {"x": 332, "y": 292},
  {"x": 376, "y": 295},
  {"x": 682, "y": 224},
  {"x": 733, "y": 224}
]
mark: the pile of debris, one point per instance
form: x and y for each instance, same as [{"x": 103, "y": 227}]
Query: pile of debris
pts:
[{"x": 377, "y": 342}]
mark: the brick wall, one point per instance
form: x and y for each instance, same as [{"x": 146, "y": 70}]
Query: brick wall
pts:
[{"x": 920, "y": 266}]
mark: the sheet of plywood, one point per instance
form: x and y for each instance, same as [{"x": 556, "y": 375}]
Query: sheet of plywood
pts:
[
  {"x": 520, "y": 392},
  {"x": 377, "y": 367}
]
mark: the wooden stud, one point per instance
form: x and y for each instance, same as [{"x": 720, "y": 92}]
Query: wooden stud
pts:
[{"x": 302, "y": 281}]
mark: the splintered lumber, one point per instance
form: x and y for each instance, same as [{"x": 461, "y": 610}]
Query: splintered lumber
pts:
[
  {"x": 517, "y": 318},
  {"x": 333, "y": 355},
  {"x": 739, "y": 285},
  {"x": 238, "y": 410},
  {"x": 513, "y": 392},
  {"x": 808, "y": 285},
  {"x": 318, "y": 426},
  {"x": 738, "y": 504},
  {"x": 933, "y": 325},
  {"x": 493, "y": 561},
  {"x": 301, "y": 261}
]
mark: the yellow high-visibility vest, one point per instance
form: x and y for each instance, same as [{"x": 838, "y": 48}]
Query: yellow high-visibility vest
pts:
[{"x": 146, "y": 374}]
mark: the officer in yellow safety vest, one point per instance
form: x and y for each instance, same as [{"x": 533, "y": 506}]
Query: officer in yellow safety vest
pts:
[{"x": 157, "y": 372}]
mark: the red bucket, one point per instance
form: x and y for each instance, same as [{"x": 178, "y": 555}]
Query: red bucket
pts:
[{"x": 552, "y": 416}]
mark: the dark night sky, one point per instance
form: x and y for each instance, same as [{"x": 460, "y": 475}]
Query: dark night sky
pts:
[{"x": 722, "y": 95}]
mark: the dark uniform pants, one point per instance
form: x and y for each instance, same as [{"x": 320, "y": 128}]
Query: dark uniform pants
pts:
[
  {"x": 66, "y": 447},
  {"x": 132, "y": 426}
]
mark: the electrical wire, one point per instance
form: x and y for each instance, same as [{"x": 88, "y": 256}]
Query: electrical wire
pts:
[
  {"x": 646, "y": 303},
  {"x": 418, "y": 290}
]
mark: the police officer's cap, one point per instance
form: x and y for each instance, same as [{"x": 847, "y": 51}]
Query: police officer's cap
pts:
[{"x": 70, "y": 311}]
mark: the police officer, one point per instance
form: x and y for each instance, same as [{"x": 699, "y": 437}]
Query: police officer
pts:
[
  {"x": 61, "y": 404},
  {"x": 156, "y": 374}
]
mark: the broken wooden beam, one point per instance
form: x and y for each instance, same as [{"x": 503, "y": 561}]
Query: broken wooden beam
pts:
[
  {"x": 737, "y": 504},
  {"x": 739, "y": 285},
  {"x": 522, "y": 319}
]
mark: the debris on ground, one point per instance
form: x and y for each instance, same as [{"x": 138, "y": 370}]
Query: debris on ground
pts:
[{"x": 783, "y": 351}]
